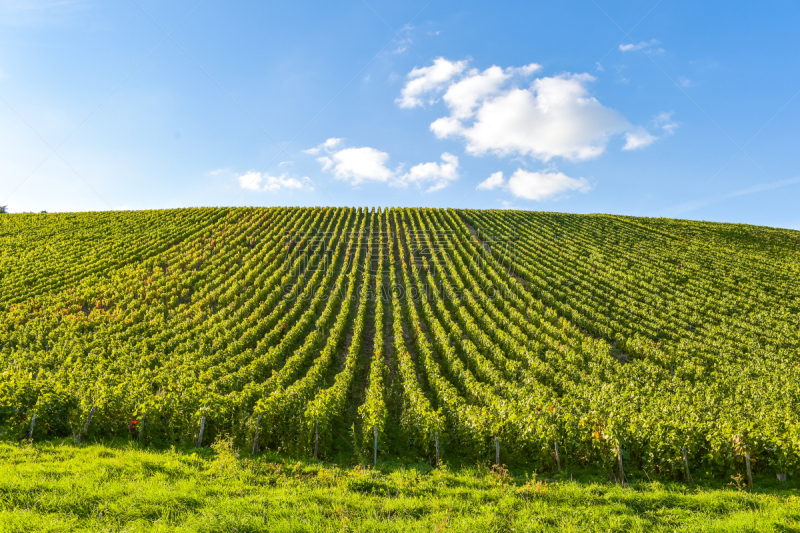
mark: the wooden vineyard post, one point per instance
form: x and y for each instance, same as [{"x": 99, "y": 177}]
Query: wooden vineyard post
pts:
[
  {"x": 199, "y": 443},
  {"x": 316, "y": 438},
  {"x": 375, "y": 455},
  {"x": 497, "y": 450},
  {"x": 558, "y": 459},
  {"x": 619, "y": 462},
  {"x": 141, "y": 429},
  {"x": 30, "y": 431},
  {"x": 436, "y": 438},
  {"x": 749, "y": 471},
  {"x": 255, "y": 437},
  {"x": 85, "y": 429},
  {"x": 686, "y": 465}
]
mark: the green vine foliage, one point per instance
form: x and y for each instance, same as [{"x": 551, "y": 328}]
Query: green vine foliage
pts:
[{"x": 599, "y": 333}]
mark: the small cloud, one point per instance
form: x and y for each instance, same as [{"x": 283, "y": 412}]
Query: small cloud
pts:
[
  {"x": 331, "y": 143},
  {"x": 357, "y": 165},
  {"x": 367, "y": 164},
  {"x": 425, "y": 80},
  {"x": 328, "y": 145},
  {"x": 508, "y": 205},
  {"x": 638, "y": 138},
  {"x": 598, "y": 67},
  {"x": 665, "y": 122},
  {"x": 440, "y": 174},
  {"x": 670, "y": 128},
  {"x": 539, "y": 186},
  {"x": 261, "y": 182},
  {"x": 492, "y": 182},
  {"x": 631, "y": 47},
  {"x": 648, "y": 47},
  {"x": 402, "y": 45},
  {"x": 620, "y": 72},
  {"x": 684, "y": 82},
  {"x": 527, "y": 70}
]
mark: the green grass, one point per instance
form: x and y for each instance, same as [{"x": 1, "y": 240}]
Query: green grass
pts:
[{"x": 59, "y": 486}]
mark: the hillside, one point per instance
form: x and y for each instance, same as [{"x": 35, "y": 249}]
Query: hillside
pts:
[{"x": 573, "y": 339}]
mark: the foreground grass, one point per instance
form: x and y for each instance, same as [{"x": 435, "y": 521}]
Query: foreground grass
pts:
[{"x": 59, "y": 486}]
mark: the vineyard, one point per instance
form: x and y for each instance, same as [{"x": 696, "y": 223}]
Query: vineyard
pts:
[{"x": 550, "y": 339}]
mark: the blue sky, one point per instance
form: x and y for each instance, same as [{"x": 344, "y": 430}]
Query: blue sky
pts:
[{"x": 674, "y": 109}]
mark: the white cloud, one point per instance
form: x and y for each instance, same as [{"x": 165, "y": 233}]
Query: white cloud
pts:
[
  {"x": 358, "y": 165},
  {"x": 328, "y": 145},
  {"x": 525, "y": 71},
  {"x": 261, "y": 181},
  {"x": 497, "y": 111},
  {"x": 492, "y": 182},
  {"x": 402, "y": 45},
  {"x": 670, "y": 128},
  {"x": 540, "y": 186},
  {"x": 665, "y": 122},
  {"x": 631, "y": 47},
  {"x": 638, "y": 138},
  {"x": 649, "y": 47},
  {"x": 440, "y": 174},
  {"x": 428, "y": 79},
  {"x": 555, "y": 117},
  {"x": 463, "y": 96},
  {"x": 446, "y": 127},
  {"x": 333, "y": 142},
  {"x": 365, "y": 164}
]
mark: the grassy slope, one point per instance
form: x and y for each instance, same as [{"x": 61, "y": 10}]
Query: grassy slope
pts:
[{"x": 58, "y": 486}]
